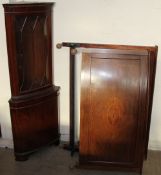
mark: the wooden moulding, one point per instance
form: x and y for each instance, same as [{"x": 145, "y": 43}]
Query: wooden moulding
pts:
[
  {"x": 106, "y": 98},
  {"x": 34, "y": 123}
]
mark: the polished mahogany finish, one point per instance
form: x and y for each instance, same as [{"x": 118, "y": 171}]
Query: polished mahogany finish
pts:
[
  {"x": 117, "y": 85},
  {"x": 34, "y": 101},
  {"x": 89, "y": 47}
]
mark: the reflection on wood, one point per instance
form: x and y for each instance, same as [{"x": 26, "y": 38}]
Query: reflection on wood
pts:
[
  {"x": 32, "y": 53},
  {"x": 114, "y": 108}
]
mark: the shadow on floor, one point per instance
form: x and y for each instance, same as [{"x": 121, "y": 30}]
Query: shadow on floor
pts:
[{"x": 56, "y": 161}]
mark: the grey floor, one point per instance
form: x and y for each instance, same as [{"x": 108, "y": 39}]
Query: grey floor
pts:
[{"x": 56, "y": 161}]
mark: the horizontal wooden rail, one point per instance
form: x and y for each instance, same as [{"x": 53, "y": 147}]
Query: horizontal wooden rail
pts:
[{"x": 105, "y": 46}]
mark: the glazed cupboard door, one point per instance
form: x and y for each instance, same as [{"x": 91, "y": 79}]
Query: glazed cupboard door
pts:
[
  {"x": 113, "y": 108},
  {"x": 32, "y": 49},
  {"x": 30, "y": 40}
]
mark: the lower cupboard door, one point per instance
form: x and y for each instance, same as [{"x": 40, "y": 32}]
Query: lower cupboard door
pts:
[{"x": 113, "y": 109}]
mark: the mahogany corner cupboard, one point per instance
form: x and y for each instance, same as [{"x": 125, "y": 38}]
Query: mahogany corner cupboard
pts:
[
  {"x": 34, "y": 100},
  {"x": 117, "y": 85}
]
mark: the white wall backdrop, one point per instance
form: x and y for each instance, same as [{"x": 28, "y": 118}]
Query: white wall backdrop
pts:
[
  {"x": 4, "y": 80},
  {"x": 93, "y": 21}
]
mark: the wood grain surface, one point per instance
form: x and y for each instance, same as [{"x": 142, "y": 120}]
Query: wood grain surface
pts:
[{"x": 114, "y": 108}]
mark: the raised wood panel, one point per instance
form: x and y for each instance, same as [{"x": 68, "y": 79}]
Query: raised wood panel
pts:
[{"x": 113, "y": 109}]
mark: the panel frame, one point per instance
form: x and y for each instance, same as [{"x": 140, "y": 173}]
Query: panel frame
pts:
[{"x": 84, "y": 121}]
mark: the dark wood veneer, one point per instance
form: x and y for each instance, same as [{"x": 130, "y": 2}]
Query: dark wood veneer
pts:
[
  {"x": 34, "y": 100},
  {"x": 117, "y": 83},
  {"x": 116, "y": 101}
]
